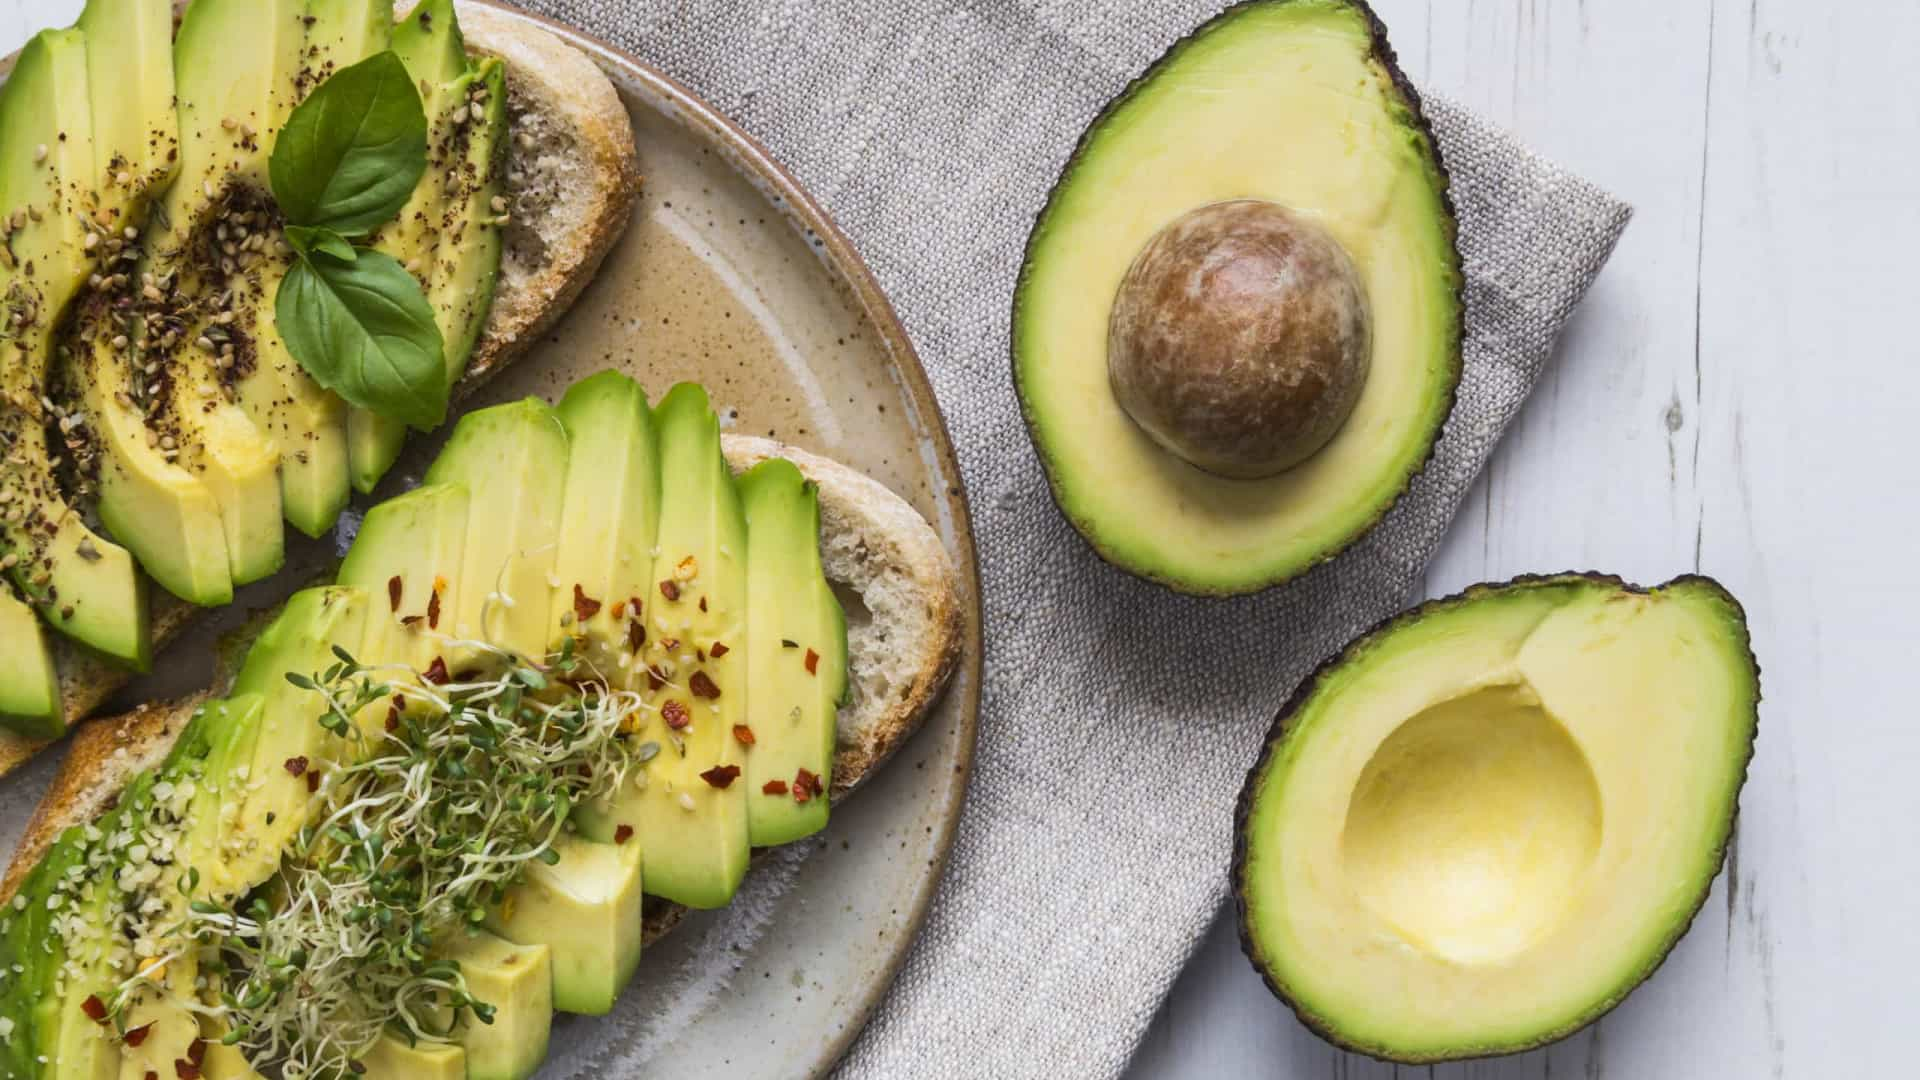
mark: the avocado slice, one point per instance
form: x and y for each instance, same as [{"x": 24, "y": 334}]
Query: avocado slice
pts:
[
  {"x": 517, "y": 981},
  {"x": 230, "y": 107},
  {"x": 1287, "y": 102},
  {"x": 796, "y": 645},
  {"x": 307, "y": 423},
  {"x": 291, "y": 750},
  {"x": 84, "y": 585},
  {"x": 167, "y": 514},
  {"x": 218, "y": 847},
  {"x": 130, "y": 85},
  {"x": 585, "y": 908},
  {"x": 33, "y": 947},
  {"x": 162, "y": 512},
  {"x": 29, "y": 683},
  {"x": 390, "y": 1058},
  {"x": 82, "y": 1047},
  {"x": 510, "y": 458},
  {"x": 407, "y": 556},
  {"x": 686, "y": 807},
  {"x": 612, "y": 512},
  {"x": 446, "y": 233},
  {"x": 1421, "y": 867}
]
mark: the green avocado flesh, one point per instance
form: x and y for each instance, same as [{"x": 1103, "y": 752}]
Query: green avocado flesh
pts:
[
  {"x": 147, "y": 389},
  {"x": 693, "y": 830},
  {"x": 1482, "y": 825},
  {"x": 606, "y": 540},
  {"x": 500, "y": 593},
  {"x": 443, "y": 234},
  {"x": 585, "y": 909},
  {"x": 1291, "y": 101},
  {"x": 82, "y": 584},
  {"x": 796, "y": 654}
]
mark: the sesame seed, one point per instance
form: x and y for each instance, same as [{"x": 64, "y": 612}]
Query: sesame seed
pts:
[{"x": 40, "y": 153}]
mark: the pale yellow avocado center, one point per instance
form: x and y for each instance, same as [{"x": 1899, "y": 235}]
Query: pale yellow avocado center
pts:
[
  {"x": 1488, "y": 822},
  {"x": 1472, "y": 825}
]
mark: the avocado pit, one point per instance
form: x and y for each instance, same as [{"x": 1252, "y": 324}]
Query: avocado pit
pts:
[{"x": 1239, "y": 338}]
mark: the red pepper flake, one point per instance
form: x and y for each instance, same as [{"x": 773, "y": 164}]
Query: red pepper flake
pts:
[
  {"x": 585, "y": 607},
  {"x": 700, "y": 654},
  {"x": 436, "y": 672},
  {"x": 743, "y": 734},
  {"x": 719, "y": 650},
  {"x": 313, "y": 781},
  {"x": 394, "y": 589},
  {"x": 136, "y": 1036},
  {"x": 805, "y": 786},
  {"x": 297, "y": 765},
  {"x": 670, "y": 644},
  {"x": 813, "y": 662},
  {"x": 197, "y": 1052},
  {"x": 433, "y": 610},
  {"x": 655, "y": 680},
  {"x": 151, "y": 1075},
  {"x": 393, "y": 718},
  {"x": 95, "y": 1009},
  {"x": 636, "y": 635},
  {"x": 676, "y": 715},
  {"x": 619, "y": 610},
  {"x": 622, "y": 834},
  {"x": 702, "y": 686},
  {"x": 721, "y": 776},
  {"x": 633, "y": 606},
  {"x": 670, "y": 590},
  {"x": 185, "y": 1070},
  {"x": 703, "y": 604},
  {"x": 774, "y": 787}
]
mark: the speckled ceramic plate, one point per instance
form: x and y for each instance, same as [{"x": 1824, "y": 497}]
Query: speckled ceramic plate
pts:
[{"x": 732, "y": 276}]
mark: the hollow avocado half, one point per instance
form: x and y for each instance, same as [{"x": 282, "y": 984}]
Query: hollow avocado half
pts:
[
  {"x": 1485, "y": 822},
  {"x": 1298, "y": 102}
]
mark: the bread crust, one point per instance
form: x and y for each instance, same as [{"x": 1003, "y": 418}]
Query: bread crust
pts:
[
  {"x": 872, "y": 540},
  {"x": 547, "y": 79}
]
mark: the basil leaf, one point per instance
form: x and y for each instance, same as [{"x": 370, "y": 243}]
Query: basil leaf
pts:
[
  {"x": 364, "y": 330},
  {"x": 351, "y": 153},
  {"x": 307, "y": 239}
]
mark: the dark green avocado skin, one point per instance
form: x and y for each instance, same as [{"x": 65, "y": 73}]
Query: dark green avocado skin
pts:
[
  {"x": 1389, "y": 61},
  {"x": 1249, "y": 791}
]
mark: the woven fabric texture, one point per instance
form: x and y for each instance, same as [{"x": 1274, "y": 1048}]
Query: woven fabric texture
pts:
[{"x": 1119, "y": 719}]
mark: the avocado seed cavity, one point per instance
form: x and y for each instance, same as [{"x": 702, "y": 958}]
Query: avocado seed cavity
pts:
[{"x": 1240, "y": 338}]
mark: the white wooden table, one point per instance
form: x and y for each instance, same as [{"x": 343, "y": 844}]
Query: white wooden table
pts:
[{"x": 1740, "y": 396}]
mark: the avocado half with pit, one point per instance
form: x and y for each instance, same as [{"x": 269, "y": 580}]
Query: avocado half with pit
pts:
[
  {"x": 1237, "y": 330},
  {"x": 1484, "y": 823}
]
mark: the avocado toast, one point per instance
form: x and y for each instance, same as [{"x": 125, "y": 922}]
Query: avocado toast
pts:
[
  {"x": 322, "y": 800},
  {"x": 563, "y": 180}
]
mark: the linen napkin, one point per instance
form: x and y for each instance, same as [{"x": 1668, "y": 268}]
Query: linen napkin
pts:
[{"x": 1119, "y": 719}]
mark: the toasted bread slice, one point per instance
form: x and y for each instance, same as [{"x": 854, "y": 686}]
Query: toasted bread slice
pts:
[
  {"x": 572, "y": 177},
  {"x": 903, "y": 639}
]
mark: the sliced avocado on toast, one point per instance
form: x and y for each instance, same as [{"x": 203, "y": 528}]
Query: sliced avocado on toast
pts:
[
  {"x": 82, "y": 584},
  {"x": 796, "y": 657},
  {"x": 604, "y": 564},
  {"x": 508, "y": 559},
  {"x": 1226, "y": 434},
  {"x": 286, "y": 826},
  {"x": 446, "y": 235},
  {"x": 586, "y": 909},
  {"x": 688, "y": 810}
]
